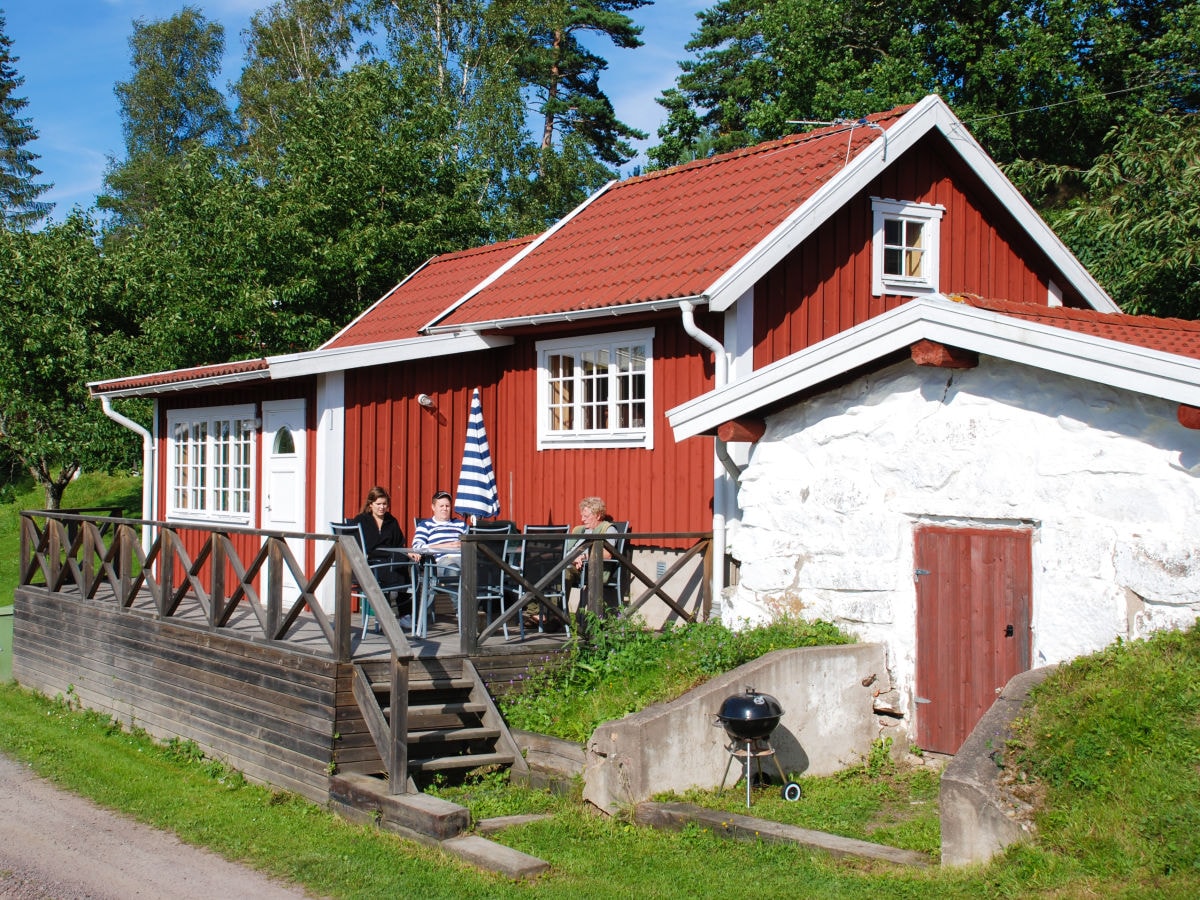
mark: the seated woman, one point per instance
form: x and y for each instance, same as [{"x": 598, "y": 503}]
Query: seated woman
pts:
[
  {"x": 441, "y": 534},
  {"x": 380, "y": 529},
  {"x": 594, "y": 519}
]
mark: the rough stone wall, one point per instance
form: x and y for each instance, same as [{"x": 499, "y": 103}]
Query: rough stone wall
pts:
[{"x": 1107, "y": 479}]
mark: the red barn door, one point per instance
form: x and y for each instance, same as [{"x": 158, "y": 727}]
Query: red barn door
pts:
[{"x": 973, "y": 625}]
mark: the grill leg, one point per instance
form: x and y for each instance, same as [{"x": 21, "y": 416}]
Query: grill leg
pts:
[{"x": 748, "y": 761}]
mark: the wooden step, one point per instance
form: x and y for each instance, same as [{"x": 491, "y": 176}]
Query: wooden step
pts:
[
  {"x": 434, "y": 736},
  {"x": 440, "y": 684},
  {"x": 415, "y": 710},
  {"x": 466, "y": 761}
]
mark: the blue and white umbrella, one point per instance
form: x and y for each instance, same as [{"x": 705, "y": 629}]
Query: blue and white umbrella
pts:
[{"x": 477, "y": 494}]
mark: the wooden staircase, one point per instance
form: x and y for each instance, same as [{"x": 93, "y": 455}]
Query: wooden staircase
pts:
[{"x": 452, "y": 725}]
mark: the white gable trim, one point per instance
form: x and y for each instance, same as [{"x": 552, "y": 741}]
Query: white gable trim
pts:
[
  {"x": 931, "y": 113},
  {"x": 339, "y": 359},
  {"x": 936, "y": 318}
]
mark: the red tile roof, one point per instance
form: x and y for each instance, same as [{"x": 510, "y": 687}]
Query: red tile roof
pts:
[
  {"x": 1178, "y": 336},
  {"x": 430, "y": 290},
  {"x": 232, "y": 371},
  {"x": 669, "y": 234}
]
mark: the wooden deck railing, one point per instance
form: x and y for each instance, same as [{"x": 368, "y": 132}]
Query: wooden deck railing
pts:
[
  {"x": 104, "y": 557},
  {"x": 642, "y": 587},
  {"x": 91, "y": 557}
]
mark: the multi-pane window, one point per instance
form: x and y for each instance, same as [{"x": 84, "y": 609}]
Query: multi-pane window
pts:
[
  {"x": 905, "y": 247},
  {"x": 595, "y": 391},
  {"x": 211, "y": 454}
]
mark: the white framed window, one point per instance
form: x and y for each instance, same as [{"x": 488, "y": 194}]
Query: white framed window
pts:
[
  {"x": 596, "y": 391},
  {"x": 904, "y": 247},
  {"x": 210, "y": 468}
]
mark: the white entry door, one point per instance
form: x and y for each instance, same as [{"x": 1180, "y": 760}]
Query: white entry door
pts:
[{"x": 284, "y": 490}]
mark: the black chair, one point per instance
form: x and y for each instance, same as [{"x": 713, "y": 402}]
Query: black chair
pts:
[
  {"x": 393, "y": 575},
  {"x": 489, "y": 576},
  {"x": 540, "y": 553},
  {"x": 614, "y": 572}
]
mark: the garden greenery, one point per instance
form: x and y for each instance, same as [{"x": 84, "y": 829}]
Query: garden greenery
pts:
[{"x": 623, "y": 667}]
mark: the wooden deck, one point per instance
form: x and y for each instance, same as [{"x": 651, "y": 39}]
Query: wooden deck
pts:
[{"x": 226, "y": 638}]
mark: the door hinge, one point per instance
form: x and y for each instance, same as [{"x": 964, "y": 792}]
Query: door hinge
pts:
[{"x": 917, "y": 573}]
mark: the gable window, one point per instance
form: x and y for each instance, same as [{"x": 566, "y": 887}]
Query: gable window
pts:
[
  {"x": 595, "y": 391},
  {"x": 904, "y": 246},
  {"x": 210, "y": 467}
]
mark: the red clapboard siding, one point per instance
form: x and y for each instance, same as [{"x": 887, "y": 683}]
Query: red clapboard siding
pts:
[
  {"x": 824, "y": 286},
  {"x": 412, "y": 451}
]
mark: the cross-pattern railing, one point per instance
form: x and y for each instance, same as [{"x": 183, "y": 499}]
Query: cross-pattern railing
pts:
[
  {"x": 103, "y": 558},
  {"x": 599, "y": 547}
]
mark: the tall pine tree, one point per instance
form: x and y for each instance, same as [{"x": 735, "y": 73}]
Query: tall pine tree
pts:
[{"x": 19, "y": 191}]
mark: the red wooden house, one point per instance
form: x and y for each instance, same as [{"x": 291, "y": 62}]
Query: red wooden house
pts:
[{"x": 653, "y": 292}]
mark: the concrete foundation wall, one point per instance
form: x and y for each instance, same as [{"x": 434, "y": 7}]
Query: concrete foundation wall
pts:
[
  {"x": 828, "y": 723},
  {"x": 979, "y": 817}
]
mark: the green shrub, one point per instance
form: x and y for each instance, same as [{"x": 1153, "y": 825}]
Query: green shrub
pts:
[{"x": 623, "y": 667}]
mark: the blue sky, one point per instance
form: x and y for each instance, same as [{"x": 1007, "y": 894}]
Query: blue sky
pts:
[{"x": 72, "y": 52}]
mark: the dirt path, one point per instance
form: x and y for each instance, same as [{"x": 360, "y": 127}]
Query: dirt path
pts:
[{"x": 54, "y": 844}]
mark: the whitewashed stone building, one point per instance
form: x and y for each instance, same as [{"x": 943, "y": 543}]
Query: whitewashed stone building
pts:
[{"x": 969, "y": 483}]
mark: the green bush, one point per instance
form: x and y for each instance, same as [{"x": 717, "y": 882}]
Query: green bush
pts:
[{"x": 623, "y": 667}]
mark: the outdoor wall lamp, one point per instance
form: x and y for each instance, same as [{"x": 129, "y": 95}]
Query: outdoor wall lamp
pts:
[{"x": 426, "y": 401}]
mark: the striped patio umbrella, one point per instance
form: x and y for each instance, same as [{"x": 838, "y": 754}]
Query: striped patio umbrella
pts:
[{"x": 477, "y": 494}]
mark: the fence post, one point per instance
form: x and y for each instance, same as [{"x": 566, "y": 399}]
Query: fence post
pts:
[
  {"x": 166, "y": 570},
  {"x": 216, "y": 594},
  {"x": 125, "y": 562},
  {"x": 274, "y": 586},
  {"x": 343, "y": 587},
  {"x": 595, "y": 577},
  {"x": 397, "y": 764},
  {"x": 468, "y": 604}
]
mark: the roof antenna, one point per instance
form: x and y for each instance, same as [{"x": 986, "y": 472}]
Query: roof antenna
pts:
[{"x": 869, "y": 124}]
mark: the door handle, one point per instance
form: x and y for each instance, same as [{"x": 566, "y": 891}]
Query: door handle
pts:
[{"x": 1008, "y": 631}]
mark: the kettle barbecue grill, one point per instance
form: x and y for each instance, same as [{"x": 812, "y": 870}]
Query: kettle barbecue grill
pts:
[{"x": 748, "y": 720}]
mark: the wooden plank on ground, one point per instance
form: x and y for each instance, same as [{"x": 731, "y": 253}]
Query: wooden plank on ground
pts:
[{"x": 675, "y": 816}]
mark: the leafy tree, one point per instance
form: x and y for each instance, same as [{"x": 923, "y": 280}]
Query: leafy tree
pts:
[
  {"x": 293, "y": 47},
  {"x": 18, "y": 190},
  {"x": 1043, "y": 80},
  {"x": 1137, "y": 227},
  {"x": 56, "y": 285},
  {"x": 266, "y": 254},
  {"x": 168, "y": 107},
  {"x": 581, "y": 139}
]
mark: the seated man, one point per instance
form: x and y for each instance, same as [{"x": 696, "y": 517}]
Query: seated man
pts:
[{"x": 441, "y": 534}]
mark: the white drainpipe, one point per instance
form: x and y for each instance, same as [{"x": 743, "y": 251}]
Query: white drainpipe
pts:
[
  {"x": 723, "y": 491},
  {"x": 149, "y": 473}
]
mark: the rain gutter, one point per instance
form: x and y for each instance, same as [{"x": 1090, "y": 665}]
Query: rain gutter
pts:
[
  {"x": 149, "y": 471},
  {"x": 724, "y": 489}
]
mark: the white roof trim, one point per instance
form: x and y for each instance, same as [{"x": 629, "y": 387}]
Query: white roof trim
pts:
[
  {"x": 930, "y": 113},
  {"x": 936, "y": 318},
  {"x": 339, "y": 359},
  {"x": 579, "y": 315},
  {"x": 97, "y": 387},
  {"x": 320, "y": 362},
  {"x": 431, "y": 326}
]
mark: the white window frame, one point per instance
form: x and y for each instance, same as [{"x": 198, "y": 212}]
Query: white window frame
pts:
[
  {"x": 929, "y": 217},
  {"x": 579, "y": 436},
  {"x": 211, "y": 474}
]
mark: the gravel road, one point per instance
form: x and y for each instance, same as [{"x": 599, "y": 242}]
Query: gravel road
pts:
[{"x": 56, "y": 845}]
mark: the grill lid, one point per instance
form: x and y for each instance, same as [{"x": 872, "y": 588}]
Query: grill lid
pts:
[{"x": 750, "y": 715}]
